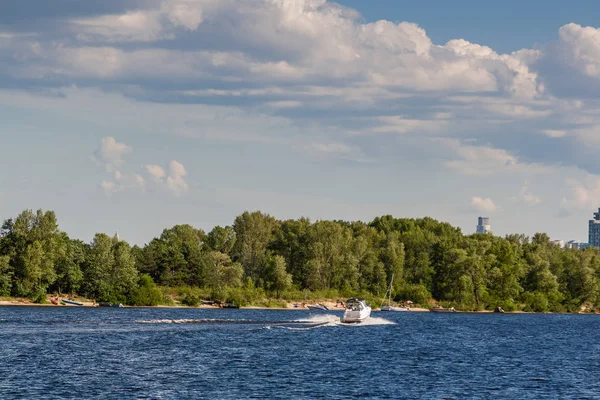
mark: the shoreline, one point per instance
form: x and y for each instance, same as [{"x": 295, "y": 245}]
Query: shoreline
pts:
[
  {"x": 88, "y": 304},
  {"x": 331, "y": 305}
]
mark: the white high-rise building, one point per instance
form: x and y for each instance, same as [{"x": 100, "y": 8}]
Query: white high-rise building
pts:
[{"x": 483, "y": 225}]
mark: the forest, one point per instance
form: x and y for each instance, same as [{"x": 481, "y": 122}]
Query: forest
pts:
[{"x": 260, "y": 260}]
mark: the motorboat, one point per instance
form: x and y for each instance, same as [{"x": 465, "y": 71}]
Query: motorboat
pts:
[
  {"x": 442, "y": 309},
  {"x": 72, "y": 303},
  {"x": 356, "y": 311},
  {"x": 392, "y": 308},
  {"x": 115, "y": 305},
  {"x": 317, "y": 307},
  {"x": 388, "y": 296}
]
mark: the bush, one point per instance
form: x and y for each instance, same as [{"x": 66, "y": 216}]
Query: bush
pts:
[
  {"x": 191, "y": 299},
  {"x": 146, "y": 294},
  {"x": 414, "y": 292},
  {"x": 536, "y": 302}
]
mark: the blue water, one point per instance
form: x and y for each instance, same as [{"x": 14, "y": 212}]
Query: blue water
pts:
[{"x": 85, "y": 353}]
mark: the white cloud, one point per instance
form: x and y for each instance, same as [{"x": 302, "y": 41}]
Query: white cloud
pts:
[
  {"x": 483, "y": 204},
  {"x": 111, "y": 153},
  {"x": 174, "y": 180},
  {"x": 584, "y": 194},
  {"x": 156, "y": 172},
  {"x": 108, "y": 187},
  {"x": 527, "y": 197},
  {"x": 333, "y": 150},
  {"x": 186, "y": 13},
  {"x": 276, "y": 41},
  {"x": 485, "y": 160},
  {"x": 554, "y": 133},
  {"x": 132, "y": 26},
  {"x": 122, "y": 182},
  {"x": 581, "y": 48}
]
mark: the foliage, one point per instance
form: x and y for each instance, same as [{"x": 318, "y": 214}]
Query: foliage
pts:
[
  {"x": 146, "y": 293},
  {"x": 259, "y": 257}
]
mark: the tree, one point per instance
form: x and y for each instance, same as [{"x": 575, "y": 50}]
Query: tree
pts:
[
  {"x": 5, "y": 276},
  {"x": 175, "y": 258},
  {"x": 221, "y": 239},
  {"x": 98, "y": 266},
  {"x": 253, "y": 234},
  {"x": 123, "y": 274},
  {"x": 280, "y": 279},
  {"x": 145, "y": 293},
  {"x": 33, "y": 244},
  {"x": 68, "y": 266}
]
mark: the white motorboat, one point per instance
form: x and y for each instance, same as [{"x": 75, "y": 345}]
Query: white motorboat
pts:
[
  {"x": 392, "y": 308},
  {"x": 388, "y": 296},
  {"x": 356, "y": 311},
  {"x": 317, "y": 307}
]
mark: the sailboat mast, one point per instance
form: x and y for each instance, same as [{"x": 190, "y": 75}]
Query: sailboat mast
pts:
[{"x": 390, "y": 289}]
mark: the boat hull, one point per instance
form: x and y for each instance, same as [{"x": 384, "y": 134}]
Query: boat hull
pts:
[
  {"x": 113, "y": 305},
  {"x": 72, "y": 303},
  {"x": 392, "y": 308},
  {"x": 443, "y": 310},
  {"x": 317, "y": 307},
  {"x": 352, "y": 317}
]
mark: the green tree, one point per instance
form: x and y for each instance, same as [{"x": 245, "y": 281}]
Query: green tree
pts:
[
  {"x": 98, "y": 266},
  {"x": 5, "y": 276},
  {"x": 68, "y": 266},
  {"x": 254, "y": 232},
  {"x": 280, "y": 279},
  {"x": 145, "y": 293},
  {"x": 221, "y": 239}
]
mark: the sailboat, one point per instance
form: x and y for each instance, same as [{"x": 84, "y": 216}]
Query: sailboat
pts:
[{"x": 388, "y": 296}]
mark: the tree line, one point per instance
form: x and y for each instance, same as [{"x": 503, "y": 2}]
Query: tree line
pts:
[{"x": 258, "y": 255}]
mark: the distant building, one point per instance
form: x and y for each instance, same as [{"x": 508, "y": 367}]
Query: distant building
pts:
[
  {"x": 574, "y": 244},
  {"x": 483, "y": 225},
  {"x": 559, "y": 243},
  {"x": 116, "y": 237},
  {"x": 594, "y": 230}
]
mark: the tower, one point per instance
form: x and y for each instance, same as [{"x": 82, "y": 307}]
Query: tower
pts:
[
  {"x": 594, "y": 230},
  {"x": 483, "y": 225}
]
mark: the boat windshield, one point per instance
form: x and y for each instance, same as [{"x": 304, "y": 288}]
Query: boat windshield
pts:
[{"x": 354, "y": 305}]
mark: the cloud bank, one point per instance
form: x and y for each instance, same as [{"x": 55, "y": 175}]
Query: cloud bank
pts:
[{"x": 318, "y": 78}]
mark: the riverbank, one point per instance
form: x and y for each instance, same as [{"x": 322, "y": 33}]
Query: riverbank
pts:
[{"x": 290, "y": 305}]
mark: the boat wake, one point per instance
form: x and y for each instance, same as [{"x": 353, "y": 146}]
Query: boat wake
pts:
[
  {"x": 316, "y": 321},
  {"x": 334, "y": 320}
]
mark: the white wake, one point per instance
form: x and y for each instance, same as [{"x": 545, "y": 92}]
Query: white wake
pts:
[{"x": 334, "y": 320}]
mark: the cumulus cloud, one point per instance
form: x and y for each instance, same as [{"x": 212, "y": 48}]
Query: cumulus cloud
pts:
[
  {"x": 173, "y": 181},
  {"x": 122, "y": 182},
  {"x": 111, "y": 153},
  {"x": 527, "y": 197},
  {"x": 321, "y": 67},
  {"x": 157, "y": 173},
  {"x": 585, "y": 194},
  {"x": 482, "y": 204}
]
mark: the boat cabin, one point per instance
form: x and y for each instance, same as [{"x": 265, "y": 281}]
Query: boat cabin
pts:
[{"x": 355, "y": 304}]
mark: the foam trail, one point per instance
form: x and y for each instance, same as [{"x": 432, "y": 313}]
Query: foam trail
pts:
[
  {"x": 334, "y": 320},
  {"x": 316, "y": 321}
]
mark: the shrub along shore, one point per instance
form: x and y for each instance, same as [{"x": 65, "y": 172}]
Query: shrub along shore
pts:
[{"x": 264, "y": 262}]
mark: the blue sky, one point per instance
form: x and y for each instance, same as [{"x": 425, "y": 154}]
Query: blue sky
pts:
[{"x": 138, "y": 115}]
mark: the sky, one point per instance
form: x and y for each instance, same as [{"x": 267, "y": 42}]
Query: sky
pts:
[{"x": 134, "y": 116}]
